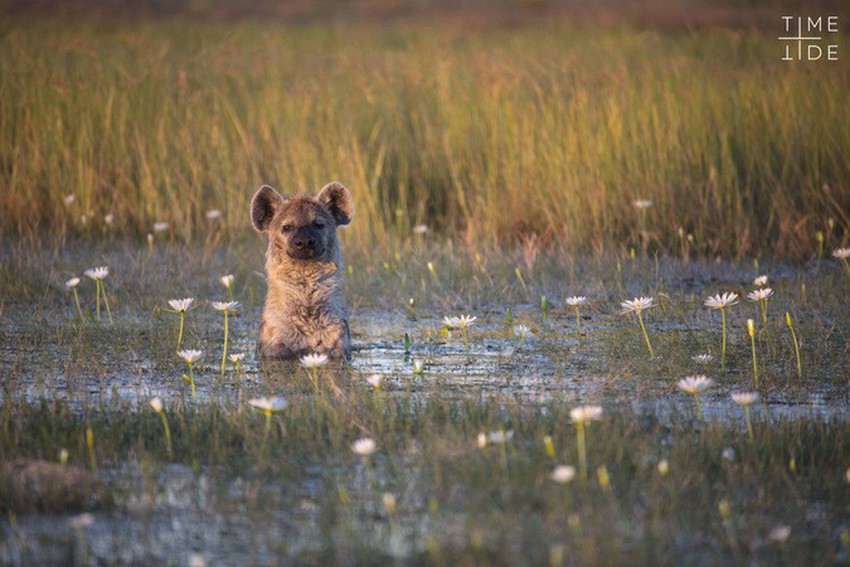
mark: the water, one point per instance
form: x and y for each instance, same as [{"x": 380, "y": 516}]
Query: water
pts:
[{"x": 167, "y": 512}]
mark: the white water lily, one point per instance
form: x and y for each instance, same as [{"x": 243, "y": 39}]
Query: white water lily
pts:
[
  {"x": 269, "y": 405},
  {"x": 190, "y": 356},
  {"x": 181, "y": 305},
  {"x": 841, "y": 253},
  {"x": 72, "y": 285},
  {"x": 500, "y": 436},
  {"x": 159, "y": 408},
  {"x": 637, "y": 304},
  {"x": 313, "y": 360},
  {"x": 462, "y": 322},
  {"x": 584, "y": 414},
  {"x": 719, "y": 301},
  {"x": 577, "y": 301},
  {"x": 98, "y": 273},
  {"x": 780, "y": 534},
  {"x": 744, "y": 399},
  {"x": 364, "y": 447},
  {"x": 81, "y": 521},
  {"x": 562, "y": 474},
  {"x": 226, "y": 307},
  {"x": 521, "y": 331},
  {"x": 374, "y": 380},
  {"x": 695, "y": 384},
  {"x": 761, "y": 294}
]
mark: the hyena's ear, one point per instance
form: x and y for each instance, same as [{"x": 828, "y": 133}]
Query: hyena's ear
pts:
[
  {"x": 263, "y": 206},
  {"x": 338, "y": 201}
]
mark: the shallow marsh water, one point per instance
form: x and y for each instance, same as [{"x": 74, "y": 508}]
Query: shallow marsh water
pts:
[{"x": 252, "y": 513}]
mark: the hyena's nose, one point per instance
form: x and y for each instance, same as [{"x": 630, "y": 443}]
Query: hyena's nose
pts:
[{"x": 301, "y": 242}]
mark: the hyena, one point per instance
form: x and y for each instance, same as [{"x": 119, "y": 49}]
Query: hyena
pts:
[{"x": 305, "y": 311}]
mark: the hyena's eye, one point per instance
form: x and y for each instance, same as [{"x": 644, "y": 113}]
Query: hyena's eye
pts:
[
  {"x": 287, "y": 228},
  {"x": 319, "y": 224}
]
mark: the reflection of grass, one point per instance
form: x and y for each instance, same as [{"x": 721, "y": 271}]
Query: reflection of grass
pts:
[
  {"x": 545, "y": 130},
  {"x": 454, "y": 503}
]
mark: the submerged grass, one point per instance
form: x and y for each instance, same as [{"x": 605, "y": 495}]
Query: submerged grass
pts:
[
  {"x": 546, "y": 134},
  {"x": 456, "y": 503}
]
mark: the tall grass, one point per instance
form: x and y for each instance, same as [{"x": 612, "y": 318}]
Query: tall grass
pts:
[{"x": 489, "y": 135}]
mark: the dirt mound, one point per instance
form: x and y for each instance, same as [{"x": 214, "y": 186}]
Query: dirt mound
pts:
[{"x": 33, "y": 485}]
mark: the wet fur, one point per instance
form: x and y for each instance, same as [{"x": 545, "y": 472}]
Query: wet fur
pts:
[{"x": 305, "y": 311}]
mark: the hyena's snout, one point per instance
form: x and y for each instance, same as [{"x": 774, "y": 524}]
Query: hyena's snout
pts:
[{"x": 306, "y": 244}]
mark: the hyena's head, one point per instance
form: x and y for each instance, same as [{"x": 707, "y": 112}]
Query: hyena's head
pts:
[{"x": 302, "y": 228}]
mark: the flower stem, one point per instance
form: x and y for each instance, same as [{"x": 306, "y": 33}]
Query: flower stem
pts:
[
  {"x": 749, "y": 423},
  {"x": 755, "y": 364},
  {"x": 180, "y": 334},
  {"x": 766, "y": 328},
  {"x": 645, "y": 334},
  {"x": 224, "y": 352},
  {"x": 90, "y": 445},
  {"x": 370, "y": 477},
  {"x": 97, "y": 295},
  {"x": 167, "y": 435},
  {"x": 503, "y": 453},
  {"x": 796, "y": 344},
  {"x": 268, "y": 426},
  {"x": 466, "y": 340},
  {"x": 582, "y": 451},
  {"x": 106, "y": 301},
  {"x": 699, "y": 408},
  {"x": 578, "y": 323},
  {"x": 192, "y": 379},
  {"x": 723, "y": 342},
  {"x": 77, "y": 301}
]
